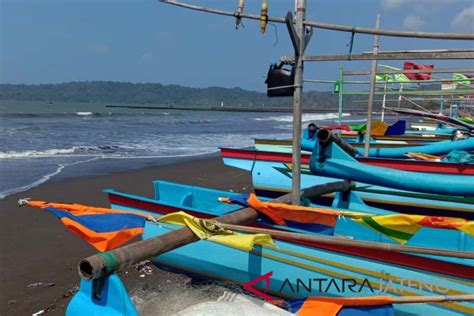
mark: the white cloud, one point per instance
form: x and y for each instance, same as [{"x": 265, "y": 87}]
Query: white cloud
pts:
[
  {"x": 388, "y": 5},
  {"x": 464, "y": 20},
  {"x": 413, "y": 23}
]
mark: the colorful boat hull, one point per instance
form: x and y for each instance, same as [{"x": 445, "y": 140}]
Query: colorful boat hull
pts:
[
  {"x": 273, "y": 178},
  {"x": 438, "y": 148},
  {"x": 332, "y": 161},
  {"x": 298, "y": 270}
]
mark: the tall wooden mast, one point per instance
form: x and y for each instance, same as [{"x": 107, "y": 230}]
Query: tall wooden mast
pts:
[{"x": 297, "y": 100}]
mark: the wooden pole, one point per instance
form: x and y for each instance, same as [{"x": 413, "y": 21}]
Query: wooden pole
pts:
[
  {"x": 328, "y": 26},
  {"x": 433, "y": 299},
  {"x": 297, "y": 102},
  {"x": 340, "y": 241},
  {"x": 372, "y": 90}
]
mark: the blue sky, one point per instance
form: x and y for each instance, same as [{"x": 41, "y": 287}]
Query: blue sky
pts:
[{"x": 52, "y": 41}]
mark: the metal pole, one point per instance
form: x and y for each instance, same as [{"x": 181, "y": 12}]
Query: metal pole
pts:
[
  {"x": 296, "y": 159},
  {"x": 372, "y": 90},
  {"x": 341, "y": 91}
]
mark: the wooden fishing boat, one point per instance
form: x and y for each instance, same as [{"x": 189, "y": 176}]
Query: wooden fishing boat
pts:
[
  {"x": 332, "y": 157},
  {"x": 285, "y": 145},
  {"x": 296, "y": 269},
  {"x": 401, "y": 164},
  {"x": 198, "y": 201},
  {"x": 387, "y": 149},
  {"x": 271, "y": 177}
]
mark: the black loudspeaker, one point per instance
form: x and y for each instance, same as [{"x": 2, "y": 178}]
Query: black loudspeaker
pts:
[{"x": 280, "y": 77}]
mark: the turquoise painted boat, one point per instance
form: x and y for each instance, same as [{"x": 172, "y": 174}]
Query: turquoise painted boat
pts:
[
  {"x": 437, "y": 148},
  {"x": 321, "y": 269},
  {"x": 331, "y": 160},
  {"x": 273, "y": 177}
]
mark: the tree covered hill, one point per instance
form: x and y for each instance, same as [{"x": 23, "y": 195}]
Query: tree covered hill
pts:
[
  {"x": 109, "y": 92},
  {"x": 154, "y": 93}
]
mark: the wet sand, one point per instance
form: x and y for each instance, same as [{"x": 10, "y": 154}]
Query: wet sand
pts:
[{"x": 36, "y": 247}]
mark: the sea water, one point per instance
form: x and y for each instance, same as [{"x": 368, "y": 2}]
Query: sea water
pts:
[{"x": 36, "y": 147}]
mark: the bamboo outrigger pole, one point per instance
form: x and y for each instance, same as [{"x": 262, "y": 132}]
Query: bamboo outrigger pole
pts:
[{"x": 278, "y": 234}]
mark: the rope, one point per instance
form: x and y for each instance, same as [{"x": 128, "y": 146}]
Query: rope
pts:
[{"x": 351, "y": 43}]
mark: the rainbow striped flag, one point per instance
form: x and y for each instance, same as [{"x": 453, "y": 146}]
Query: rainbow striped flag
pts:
[{"x": 402, "y": 227}]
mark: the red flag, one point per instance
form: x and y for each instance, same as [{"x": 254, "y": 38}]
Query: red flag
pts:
[{"x": 420, "y": 76}]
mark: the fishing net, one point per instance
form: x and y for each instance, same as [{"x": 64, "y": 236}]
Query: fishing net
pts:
[
  {"x": 158, "y": 292},
  {"x": 459, "y": 156}
]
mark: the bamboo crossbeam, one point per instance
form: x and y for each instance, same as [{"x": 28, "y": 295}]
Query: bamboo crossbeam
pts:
[
  {"x": 389, "y": 82},
  {"x": 348, "y": 242},
  {"x": 410, "y": 71},
  {"x": 385, "y": 56},
  {"x": 426, "y": 50},
  {"x": 329, "y": 26},
  {"x": 420, "y": 92},
  {"x": 468, "y": 54}
]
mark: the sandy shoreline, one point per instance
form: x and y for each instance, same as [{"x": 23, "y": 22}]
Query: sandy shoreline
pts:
[{"x": 35, "y": 247}]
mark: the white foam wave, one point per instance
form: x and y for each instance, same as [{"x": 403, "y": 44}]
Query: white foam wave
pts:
[
  {"x": 11, "y": 154},
  {"x": 306, "y": 117},
  {"x": 84, "y": 113},
  {"x": 43, "y": 179}
]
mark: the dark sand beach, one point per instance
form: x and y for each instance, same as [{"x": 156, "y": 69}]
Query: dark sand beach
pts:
[{"x": 36, "y": 247}]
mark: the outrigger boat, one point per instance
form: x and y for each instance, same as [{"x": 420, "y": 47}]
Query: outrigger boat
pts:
[
  {"x": 272, "y": 178},
  {"x": 285, "y": 145},
  {"x": 291, "y": 268},
  {"x": 389, "y": 149}
]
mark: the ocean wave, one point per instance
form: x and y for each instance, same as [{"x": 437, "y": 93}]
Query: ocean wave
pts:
[
  {"x": 43, "y": 179},
  {"x": 57, "y": 152},
  {"x": 308, "y": 117}
]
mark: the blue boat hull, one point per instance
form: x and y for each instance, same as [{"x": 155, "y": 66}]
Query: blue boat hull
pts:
[
  {"x": 296, "y": 270},
  {"x": 272, "y": 178},
  {"x": 437, "y": 148}
]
